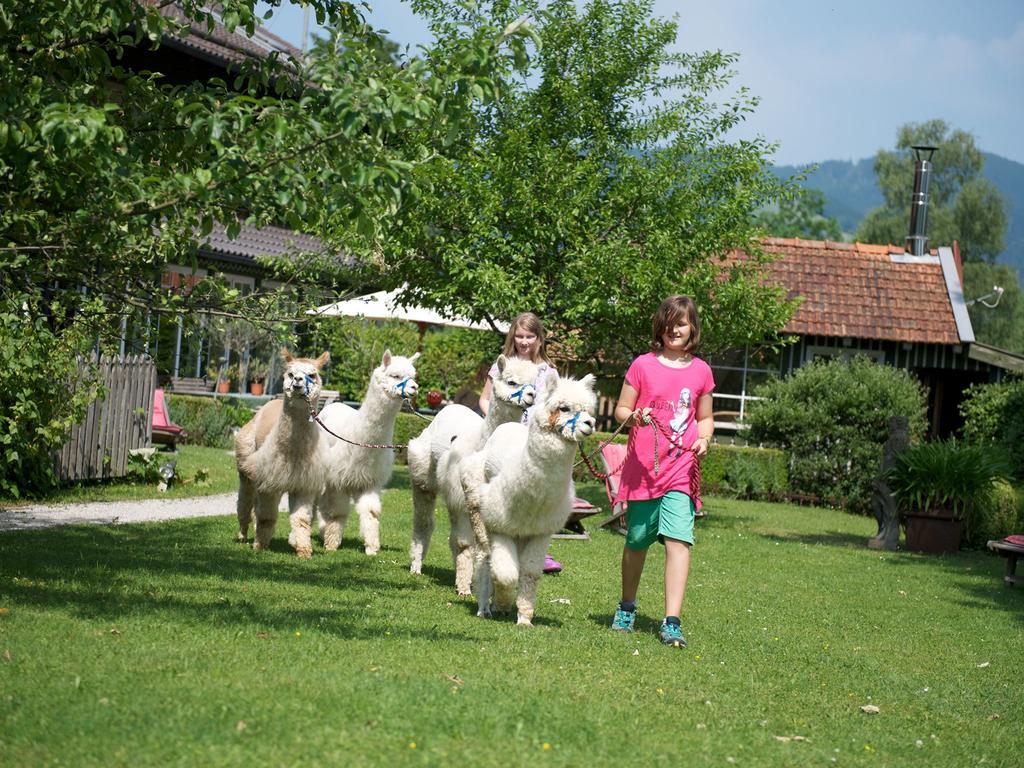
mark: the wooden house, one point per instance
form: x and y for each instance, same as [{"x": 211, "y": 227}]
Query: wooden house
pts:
[{"x": 899, "y": 309}]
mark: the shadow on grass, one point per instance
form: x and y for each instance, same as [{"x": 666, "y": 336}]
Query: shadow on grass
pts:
[
  {"x": 825, "y": 538},
  {"x": 978, "y": 574},
  {"x": 186, "y": 573}
]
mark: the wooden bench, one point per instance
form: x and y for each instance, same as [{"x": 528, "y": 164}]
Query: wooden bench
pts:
[
  {"x": 189, "y": 386},
  {"x": 1011, "y": 552}
]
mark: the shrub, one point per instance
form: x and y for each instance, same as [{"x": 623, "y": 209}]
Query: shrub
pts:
[
  {"x": 994, "y": 413},
  {"x": 356, "y": 348},
  {"x": 452, "y": 359},
  {"x": 832, "y": 419},
  {"x": 206, "y": 420},
  {"x": 998, "y": 518},
  {"x": 46, "y": 391}
]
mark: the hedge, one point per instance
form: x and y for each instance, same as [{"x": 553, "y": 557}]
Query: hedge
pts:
[{"x": 208, "y": 421}]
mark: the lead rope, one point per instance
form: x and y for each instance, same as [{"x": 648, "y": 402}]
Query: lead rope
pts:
[{"x": 314, "y": 417}]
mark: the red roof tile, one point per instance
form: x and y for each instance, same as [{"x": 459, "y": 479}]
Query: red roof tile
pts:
[{"x": 857, "y": 290}]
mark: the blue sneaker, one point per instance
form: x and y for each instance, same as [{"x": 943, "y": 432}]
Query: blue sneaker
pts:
[
  {"x": 672, "y": 634},
  {"x": 624, "y": 620}
]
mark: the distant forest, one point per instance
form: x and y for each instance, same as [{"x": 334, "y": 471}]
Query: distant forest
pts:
[{"x": 851, "y": 191}]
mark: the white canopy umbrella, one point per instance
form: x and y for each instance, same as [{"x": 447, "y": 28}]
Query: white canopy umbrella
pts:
[{"x": 384, "y": 305}]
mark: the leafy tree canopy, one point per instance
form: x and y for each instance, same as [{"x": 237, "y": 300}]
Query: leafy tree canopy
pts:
[
  {"x": 108, "y": 172},
  {"x": 962, "y": 205},
  {"x": 599, "y": 183},
  {"x": 800, "y": 214}
]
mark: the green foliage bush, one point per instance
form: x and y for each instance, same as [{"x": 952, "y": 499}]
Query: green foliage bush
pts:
[
  {"x": 46, "y": 391},
  {"x": 356, "y": 348},
  {"x": 207, "y": 421},
  {"x": 452, "y": 359},
  {"x": 994, "y": 413},
  {"x": 999, "y": 517},
  {"x": 831, "y": 417}
]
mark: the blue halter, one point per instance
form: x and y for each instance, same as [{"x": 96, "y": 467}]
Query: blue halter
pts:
[
  {"x": 400, "y": 386},
  {"x": 309, "y": 383},
  {"x": 571, "y": 423},
  {"x": 519, "y": 394}
]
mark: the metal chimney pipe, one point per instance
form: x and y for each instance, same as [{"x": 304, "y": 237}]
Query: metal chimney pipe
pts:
[{"x": 918, "y": 237}]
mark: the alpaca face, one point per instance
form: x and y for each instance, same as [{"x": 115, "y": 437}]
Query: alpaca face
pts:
[
  {"x": 302, "y": 376},
  {"x": 514, "y": 382},
  {"x": 567, "y": 407},
  {"x": 396, "y": 376}
]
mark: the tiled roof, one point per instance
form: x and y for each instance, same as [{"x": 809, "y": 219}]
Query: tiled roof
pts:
[
  {"x": 252, "y": 242},
  {"x": 861, "y": 291},
  {"x": 220, "y": 46}
]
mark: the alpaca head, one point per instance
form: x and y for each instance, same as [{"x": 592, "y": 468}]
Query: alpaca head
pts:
[
  {"x": 395, "y": 377},
  {"x": 302, "y": 376},
  {"x": 514, "y": 382},
  {"x": 566, "y": 407}
]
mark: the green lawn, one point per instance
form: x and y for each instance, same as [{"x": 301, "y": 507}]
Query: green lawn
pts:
[
  {"x": 200, "y": 471},
  {"x": 169, "y": 644}
]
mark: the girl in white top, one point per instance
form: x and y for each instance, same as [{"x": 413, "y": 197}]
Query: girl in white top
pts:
[{"x": 525, "y": 340}]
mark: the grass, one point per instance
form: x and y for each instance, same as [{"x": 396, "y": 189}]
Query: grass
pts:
[
  {"x": 169, "y": 644},
  {"x": 219, "y": 463}
]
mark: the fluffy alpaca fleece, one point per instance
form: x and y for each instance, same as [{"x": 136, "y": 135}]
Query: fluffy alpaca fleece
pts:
[
  {"x": 519, "y": 491},
  {"x": 282, "y": 451},
  {"x": 435, "y": 455},
  {"x": 359, "y": 474}
]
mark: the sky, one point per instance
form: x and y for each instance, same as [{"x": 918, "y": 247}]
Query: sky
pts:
[{"x": 837, "y": 78}]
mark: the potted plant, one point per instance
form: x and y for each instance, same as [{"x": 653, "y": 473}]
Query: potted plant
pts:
[
  {"x": 257, "y": 374},
  {"x": 940, "y": 486},
  {"x": 223, "y": 375}
]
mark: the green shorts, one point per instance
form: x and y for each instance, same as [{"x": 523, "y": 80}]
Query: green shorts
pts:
[{"x": 650, "y": 520}]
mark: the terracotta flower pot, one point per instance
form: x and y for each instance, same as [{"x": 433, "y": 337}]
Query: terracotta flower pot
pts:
[
  {"x": 223, "y": 386},
  {"x": 255, "y": 388}
]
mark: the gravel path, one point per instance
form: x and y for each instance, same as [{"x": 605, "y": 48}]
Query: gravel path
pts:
[{"x": 114, "y": 512}]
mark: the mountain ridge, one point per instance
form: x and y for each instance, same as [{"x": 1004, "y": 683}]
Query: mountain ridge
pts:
[{"x": 851, "y": 190}]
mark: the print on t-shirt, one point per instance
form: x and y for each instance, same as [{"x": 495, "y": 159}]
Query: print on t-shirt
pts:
[{"x": 680, "y": 420}]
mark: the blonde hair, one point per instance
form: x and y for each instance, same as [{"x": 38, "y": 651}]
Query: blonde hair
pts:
[
  {"x": 672, "y": 310},
  {"x": 530, "y": 323}
]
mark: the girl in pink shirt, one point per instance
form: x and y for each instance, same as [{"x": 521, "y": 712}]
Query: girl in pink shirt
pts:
[{"x": 666, "y": 398}]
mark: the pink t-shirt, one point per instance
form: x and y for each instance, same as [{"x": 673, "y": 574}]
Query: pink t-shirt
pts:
[{"x": 672, "y": 395}]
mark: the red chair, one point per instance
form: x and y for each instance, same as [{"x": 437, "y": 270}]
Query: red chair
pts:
[
  {"x": 165, "y": 431},
  {"x": 612, "y": 456}
]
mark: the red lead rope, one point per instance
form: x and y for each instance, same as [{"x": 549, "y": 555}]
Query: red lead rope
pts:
[
  {"x": 314, "y": 417},
  {"x": 694, "y": 468}
]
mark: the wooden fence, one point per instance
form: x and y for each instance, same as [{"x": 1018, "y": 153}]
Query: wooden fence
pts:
[{"x": 114, "y": 425}]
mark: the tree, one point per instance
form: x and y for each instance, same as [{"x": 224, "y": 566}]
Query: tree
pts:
[
  {"x": 1001, "y": 325},
  {"x": 962, "y": 205},
  {"x": 598, "y": 184},
  {"x": 801, "y": 214},
  {"x": 107, "y": 173}
]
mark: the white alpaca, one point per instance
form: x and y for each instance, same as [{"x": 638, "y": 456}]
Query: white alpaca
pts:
[
  {"x": 434, "y": 458},
  {"x": 519, "y": 491},
  {"x": 281, "y": 451},
  {"x": 355, "y": 473}
]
